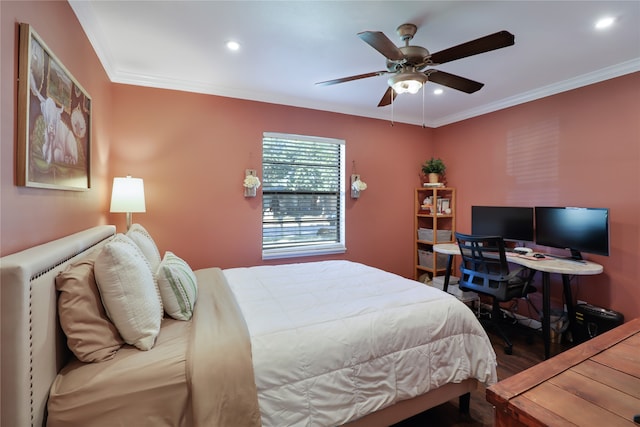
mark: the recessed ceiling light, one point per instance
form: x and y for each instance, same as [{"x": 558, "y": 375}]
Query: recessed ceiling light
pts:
[
  {"x": 438, "y": 91},
  {"x": 605, "y": 22},
  {"x": 231, "y": 45}
]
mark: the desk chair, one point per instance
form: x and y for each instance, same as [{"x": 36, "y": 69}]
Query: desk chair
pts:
[{"x": 485, "y": 270}]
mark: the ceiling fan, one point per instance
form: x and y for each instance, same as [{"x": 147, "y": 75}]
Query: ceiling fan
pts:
[{"x": 408, "y": 63}]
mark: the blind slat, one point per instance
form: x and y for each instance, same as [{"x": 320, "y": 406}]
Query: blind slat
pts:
[{"x": 301, "y": 191}]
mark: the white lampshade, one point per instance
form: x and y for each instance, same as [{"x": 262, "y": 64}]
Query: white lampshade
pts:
[
  {"x": 128, "y": 196},
  {"x": 407, "y": 82}
]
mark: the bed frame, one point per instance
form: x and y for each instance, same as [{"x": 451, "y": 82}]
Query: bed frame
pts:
[{"x": 34, "y": 348}]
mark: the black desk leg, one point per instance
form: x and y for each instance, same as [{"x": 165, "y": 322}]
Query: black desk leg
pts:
[
  {"x": 447, "y": 274},
  {"x": 464, "y": 403},
  {"x": 568, "y": 300},
  {"x": 546, "y": 313}
]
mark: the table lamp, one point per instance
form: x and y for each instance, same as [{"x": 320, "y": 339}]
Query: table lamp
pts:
[{"x": 128, "y": 196}]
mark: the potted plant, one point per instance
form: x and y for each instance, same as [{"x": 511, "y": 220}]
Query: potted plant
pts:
[{"x": 433, "y": 168}]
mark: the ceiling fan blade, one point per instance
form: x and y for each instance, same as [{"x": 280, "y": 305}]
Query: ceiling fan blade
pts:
[
  {"x": 348, "y": 79},
  {"x": 454, "y": 82},
  {"x": 483, "y": 44},
  {"x": 382, "y": 44},
  {"x": 388, "y": 98}
]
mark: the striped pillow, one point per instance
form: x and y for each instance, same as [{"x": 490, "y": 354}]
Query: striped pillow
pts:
[{"x": 178, "y": 286}]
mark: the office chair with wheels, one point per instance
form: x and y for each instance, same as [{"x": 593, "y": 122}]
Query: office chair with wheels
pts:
[{"x": 485, "y": 270}]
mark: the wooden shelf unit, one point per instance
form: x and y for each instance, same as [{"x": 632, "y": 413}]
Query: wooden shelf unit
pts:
[{"x": 431, "y": 226}]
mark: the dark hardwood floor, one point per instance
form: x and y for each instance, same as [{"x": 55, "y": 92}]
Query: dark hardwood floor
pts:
[{"x": 526, "y": 353}]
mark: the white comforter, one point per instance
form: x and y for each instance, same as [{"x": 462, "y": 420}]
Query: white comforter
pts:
[{"x": 333, "y": 341}]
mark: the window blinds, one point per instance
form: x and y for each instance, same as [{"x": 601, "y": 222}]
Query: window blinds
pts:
[{"x": 301, "y": 188}]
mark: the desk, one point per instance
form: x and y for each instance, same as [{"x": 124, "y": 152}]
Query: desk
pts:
[
  {"x": 546, "y": 266},
  {"x": 594, "y": 384}
]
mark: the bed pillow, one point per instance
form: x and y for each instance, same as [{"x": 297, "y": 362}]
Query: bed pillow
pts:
[
  {"x": 129, "y": 293},
  {"x": 90, "y": 334},
  {"x": 178, "y": 286},
  {"x": 147, "y": 245}
]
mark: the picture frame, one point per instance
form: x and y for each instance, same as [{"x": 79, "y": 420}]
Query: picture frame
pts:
[
  {"x": 443, "y": 205},
  {"x": 54, "y": 120}
]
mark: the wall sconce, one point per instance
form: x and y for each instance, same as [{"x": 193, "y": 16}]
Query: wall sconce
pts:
[
  {"x": 357, "y": 186},
  {"x": 127, "y": 196},
  {"x": 251, "y": 183}
]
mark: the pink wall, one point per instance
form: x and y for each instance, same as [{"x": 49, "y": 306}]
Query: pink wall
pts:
[
  {"x": 578, "y": 148},
  {"x": 192, "y": 151},
  {"x": 30, "y": 216}
]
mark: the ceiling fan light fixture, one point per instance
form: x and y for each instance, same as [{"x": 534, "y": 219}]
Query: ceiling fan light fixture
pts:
[
  {"x": 605, "y": 22},
  {"x": 409, "y": 82},
  {"x": 233, "y": 45}
]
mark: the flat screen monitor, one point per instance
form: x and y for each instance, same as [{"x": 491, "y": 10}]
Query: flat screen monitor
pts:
[
  {"x": 513, "y": 223},
  {"x": 576, "y": 229}
]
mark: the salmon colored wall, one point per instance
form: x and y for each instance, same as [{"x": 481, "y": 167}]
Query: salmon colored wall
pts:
[
  {"x": 30, "y": 216},
  {"x": 578, "y": 148},
  {"x": 192, "y": 151}
]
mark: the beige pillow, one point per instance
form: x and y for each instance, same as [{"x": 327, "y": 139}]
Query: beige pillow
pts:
[
  {"x": 129, "y": 292},
  {"x": 178, "y": 286},
  {"x": 145, "y": 242},
  {"x": 90, "y": 334}
]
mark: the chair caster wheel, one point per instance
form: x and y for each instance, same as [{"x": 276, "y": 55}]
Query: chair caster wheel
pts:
[{"x": 508, "y": 350}]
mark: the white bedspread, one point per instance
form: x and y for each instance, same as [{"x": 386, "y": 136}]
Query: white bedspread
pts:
[{"x": 333, "y": 341}]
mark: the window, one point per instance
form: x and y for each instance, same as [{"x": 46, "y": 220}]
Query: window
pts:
[{"x": 302, "y": 195}]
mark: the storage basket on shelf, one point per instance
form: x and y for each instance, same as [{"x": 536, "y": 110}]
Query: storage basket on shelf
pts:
[
  {"x": 425, "y": 259},
  {"x": 426, "y": 234}
]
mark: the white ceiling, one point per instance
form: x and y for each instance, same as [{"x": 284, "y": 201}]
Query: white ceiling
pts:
[{"x": 288, "y": 46}]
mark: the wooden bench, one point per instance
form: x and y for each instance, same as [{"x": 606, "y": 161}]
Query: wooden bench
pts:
[{"x": 594, "y": 384}]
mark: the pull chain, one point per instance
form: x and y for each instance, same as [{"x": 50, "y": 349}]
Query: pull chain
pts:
[
  {"x": 423, "y": 91},
  {"x": 391, "y": 93}
]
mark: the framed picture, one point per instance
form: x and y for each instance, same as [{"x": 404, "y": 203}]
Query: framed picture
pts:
[
  {"x": 443, "y": 205},
  {"x": 54, "y": 120}
]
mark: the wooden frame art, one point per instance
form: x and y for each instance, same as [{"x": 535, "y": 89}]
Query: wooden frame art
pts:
[{"x": 54, "y": 120}]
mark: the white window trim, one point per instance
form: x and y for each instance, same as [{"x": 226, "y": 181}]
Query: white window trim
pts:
[{"x": 317, "y": 249}]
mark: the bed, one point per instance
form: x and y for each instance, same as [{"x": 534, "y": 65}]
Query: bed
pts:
[{"x": 321, "y": 343}]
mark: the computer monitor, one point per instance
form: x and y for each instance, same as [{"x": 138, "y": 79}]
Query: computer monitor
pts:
[
  {"x": 576, "y": 229},
  {"x": 513, "y": 223}
]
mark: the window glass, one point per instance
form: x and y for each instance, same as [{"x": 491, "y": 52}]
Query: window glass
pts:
[{"x": 302, "y": 195}]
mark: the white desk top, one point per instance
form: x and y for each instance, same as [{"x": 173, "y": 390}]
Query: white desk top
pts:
[{"x": 547, "y": 265}]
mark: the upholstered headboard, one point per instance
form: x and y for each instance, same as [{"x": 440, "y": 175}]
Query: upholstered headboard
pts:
[{"x": 33, "y": 346}]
